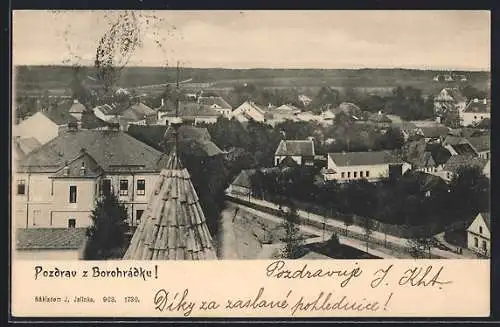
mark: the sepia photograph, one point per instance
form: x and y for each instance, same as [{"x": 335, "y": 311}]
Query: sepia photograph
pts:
[{"x": 250, "y": 135}]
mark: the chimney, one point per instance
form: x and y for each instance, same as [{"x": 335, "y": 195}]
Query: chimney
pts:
[
  {"x": 82, "y": 169},
  {"x": 75, "y": 100},
  {"x": 485, "y": 101},
  {"x": 476, "y": 100},
  {"x": 66, "y": 169},
  {"x": 162, "y": 102},
  {"x": 73, "y": 126},
  {"x": 114, "y": 126},
  {"x": 380, "y": 112}
]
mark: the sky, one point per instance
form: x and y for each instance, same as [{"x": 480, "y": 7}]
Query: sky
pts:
[{"x": 450, "y": 40}]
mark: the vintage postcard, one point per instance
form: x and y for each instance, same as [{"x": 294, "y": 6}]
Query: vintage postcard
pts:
[{"x": 250, "y": 163}]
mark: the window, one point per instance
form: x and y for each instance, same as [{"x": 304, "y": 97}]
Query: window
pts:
[
  {"x": 480, "y": 229},
  {"x": 123, "y": 187},
  {"x": 21, "y": 187},
  {"x": 475, "y": 117},
  {"x": 72, "y": 194},
  {"x": 71, "y": 223},
  {"x": 36, "y": 215},
  {"x": 476, "y": 242},
  {"x": 367, "y": 173},
  {"x": 361, "y": 174},
  {"x": 138, "y": 215},
  {"x": 484, "y": 245},
  {"x": 355, "y": 174},
  {"x": 348, "y": 174},
  {"x": 106, "y": 187},
  {"x": 141, "y": 187},
  {"x": 342, "y": 174}
]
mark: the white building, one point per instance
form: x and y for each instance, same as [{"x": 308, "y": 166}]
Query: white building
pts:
[
  {"x": 216, "y": 103},
  {"x": 249, "y": 110},
  {"x": 476, "y": 111},
  {"x": 57, "y": 185},
  {"x": 479, "y": 234},
  {"x": 371, "y": 165}
]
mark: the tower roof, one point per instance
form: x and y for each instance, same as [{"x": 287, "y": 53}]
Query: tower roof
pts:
[{"x": 173, "y": 225}]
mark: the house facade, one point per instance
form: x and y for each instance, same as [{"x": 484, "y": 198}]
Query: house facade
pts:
[
  {"x": 58, "y": 185},
  {"x": 300, "y": 151},
  {"x": 479, "y": 234},
  {"x": 371, "y": 165},
  {"x": 476, "y": 111}
]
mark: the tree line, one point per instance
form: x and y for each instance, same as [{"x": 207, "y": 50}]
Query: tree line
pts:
[{"x": 402, "y": 201}]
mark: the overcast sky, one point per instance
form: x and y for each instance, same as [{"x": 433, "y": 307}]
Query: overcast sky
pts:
[{"x": 267, "y": 39}]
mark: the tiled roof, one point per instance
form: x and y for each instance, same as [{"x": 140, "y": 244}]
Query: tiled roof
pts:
[
  {"x": 365, "y": 158},
  {"x": 74, "y": 167},
  {"x": 90, "y": 121},
  {"x": 434, "y": 131},
  {"x": 50, "y": 238},
  {"x": 425, "y": 160},
  {"x": 480, "y": 143},
  {"x": 426, "y": 181},
  {"x": 295, "y": 148},
  {"x": 478, "y": 107},
  {"x": 452, "y": 140},
  {"x": 217, "y": 101},
  {"x": 463, "y": 149},
  {"x": 77, "y": 108},
  {"x": 456, "y": 162},
  {"x": 109, "y": 110},
  {"x": 287, "y": 108},
  {"x": 243, "y": 178},
  {"x": 192, "y": 109},
  {"x": 59, "y": 114},
  {"x": 114, "y": 151},
  {"x": 28, "y": 144},
  {"x": 210, "y": 148},
  {"x": 138, "y": 111},
  {"x": 173, "y": 225}
]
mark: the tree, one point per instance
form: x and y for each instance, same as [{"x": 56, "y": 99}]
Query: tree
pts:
[
  {"x": 348, "y": 221},
  {"x": 106, "y": 235},
  {"x": 368, "y": 226},
  {"x": 333, "y": 245},
  {"x": 292, "y": 248},
  {"x": 469, "y": 192}
]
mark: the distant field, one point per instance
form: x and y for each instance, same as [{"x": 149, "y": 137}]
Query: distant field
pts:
[{"x": 56, "y": 79}]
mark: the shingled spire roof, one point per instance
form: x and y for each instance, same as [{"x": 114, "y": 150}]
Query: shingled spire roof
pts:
[{"x": 174, "y": 225}]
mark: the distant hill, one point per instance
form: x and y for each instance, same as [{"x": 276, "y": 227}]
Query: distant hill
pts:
[{"x": 33, "y": 79}]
